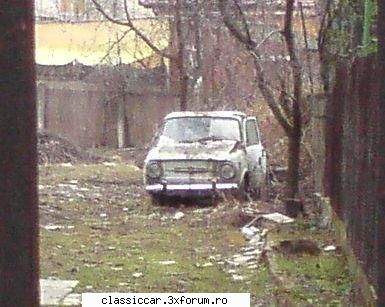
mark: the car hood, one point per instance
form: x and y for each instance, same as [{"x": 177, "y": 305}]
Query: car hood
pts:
[{"x": 215, "y": 150}]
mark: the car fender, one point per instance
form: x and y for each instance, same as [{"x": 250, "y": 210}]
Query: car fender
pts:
[{"x": 244, "y": 172}]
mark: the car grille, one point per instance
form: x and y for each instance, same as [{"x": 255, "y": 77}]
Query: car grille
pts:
[{"x": 200, "y": 170}]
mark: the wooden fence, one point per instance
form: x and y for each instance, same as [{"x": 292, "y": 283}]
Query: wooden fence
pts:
[{"x": 354, "y": 175}]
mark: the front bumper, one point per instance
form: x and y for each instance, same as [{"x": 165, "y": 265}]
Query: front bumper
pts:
[{"x": 190, "y": 189}]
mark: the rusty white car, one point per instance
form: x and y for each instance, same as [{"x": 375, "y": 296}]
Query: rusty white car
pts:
[{"x": 205, "y": 154}]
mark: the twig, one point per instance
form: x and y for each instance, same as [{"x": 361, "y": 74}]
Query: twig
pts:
[{"x": 131, "y": 25}]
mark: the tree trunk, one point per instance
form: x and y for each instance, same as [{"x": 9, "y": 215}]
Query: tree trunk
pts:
[
  {"x": 293, "y": 205},
  {"x": 183, "y": 82}
]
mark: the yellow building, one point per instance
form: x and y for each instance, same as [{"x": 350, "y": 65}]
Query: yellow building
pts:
[{"x": 94, "y": 43}]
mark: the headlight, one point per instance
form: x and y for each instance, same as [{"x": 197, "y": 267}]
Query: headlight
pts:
[
  {"x": 227, "y": 171},
  {"x": 154, "y": 170}
]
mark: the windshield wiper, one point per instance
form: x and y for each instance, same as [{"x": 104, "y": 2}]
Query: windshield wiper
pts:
[
  {"x": 187, "y": 141},
  {"x": 210, "y": 138},
  {"x": 204, "y": 139}
]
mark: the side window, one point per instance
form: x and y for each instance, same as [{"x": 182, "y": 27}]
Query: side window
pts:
[{"x": 251, "y": 133}]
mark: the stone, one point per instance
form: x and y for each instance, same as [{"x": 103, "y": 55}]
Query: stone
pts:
[
  {"x": 243, "y": 259},
  {"x": 72, "y": 299},
  {"x": 167, "y": 262},
  {"x": 252, "y": 266},
  {"x": 256, "y": 241},
  {"x": 53, "y": 227},
  {"x": 252, "y": 253},
  {"x": 329, "y": 248},
  {"x": 53, "y": 291},
  {"x": 249, "y": 232},
  {"x": 179, "y": 215},
  {"x": 238, "y": 277},
  {"x": 137, "y": 275}
]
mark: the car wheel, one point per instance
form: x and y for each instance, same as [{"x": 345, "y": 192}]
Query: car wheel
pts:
[
  {"x": 256, "y": 193},
  {"x": 157, "y": 200},
  {"x": 241, "y": 194}
]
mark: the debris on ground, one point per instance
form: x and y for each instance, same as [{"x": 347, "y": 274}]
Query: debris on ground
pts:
[
  {"x": 55, "y": 292},
  {"x": 56, "y": 149},
  {"x": 137, "y": 275},
  {"x": 105, "y": 206},
  {"x": 179, "y": 215},
  {"x": 298, "y": 247},
  {"x": 249, "y": 232},
  {"x": 329, "y": 248},
  {"x": 278, "y": 218},
  {"x": 167, "y": 262}
]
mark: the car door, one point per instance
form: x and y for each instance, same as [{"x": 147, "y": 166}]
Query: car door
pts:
[{"x": 255, "y": 152}]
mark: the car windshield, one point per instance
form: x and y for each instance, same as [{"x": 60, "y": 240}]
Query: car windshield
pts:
[{"x": 201, "y": 129}]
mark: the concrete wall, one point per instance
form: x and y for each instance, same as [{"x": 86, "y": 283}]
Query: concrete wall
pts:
[{"x": 87, "y": 114}]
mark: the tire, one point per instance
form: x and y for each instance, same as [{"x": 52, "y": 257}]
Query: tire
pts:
[
  {"x": 242, "y": 192},
  {"x": 157, "y": 200},
  {"x": 256, "y": 193}
]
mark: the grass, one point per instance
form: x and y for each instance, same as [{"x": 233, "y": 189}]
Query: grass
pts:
[
  {"x": 317, "y": 280},
  {"x": 59, "y": 173},
  {"x": 119, "y": 244}
]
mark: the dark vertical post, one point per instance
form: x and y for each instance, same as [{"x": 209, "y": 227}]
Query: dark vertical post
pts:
[
  {"x": 183, "y": 77},
  {"x": 333, "y": 138},
  {"x": 381, "y": 157},
  {"x": 19, "y": 272}
]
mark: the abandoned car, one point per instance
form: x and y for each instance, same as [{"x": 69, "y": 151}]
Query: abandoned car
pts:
[{"x": 205, "y": 154}]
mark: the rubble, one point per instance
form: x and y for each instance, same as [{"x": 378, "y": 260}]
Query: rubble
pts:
[
  {"x": 249, "y": 232},
  {"x": 179, "y": 215},
  {"x": 329, "y": 248},
  {"x": 54, "y": 291},
  {"x": 137, "y": 275},
  {"x": 55, "y": 149},
  {"x": 278, "y": 218},
  {"x": 167, "y": 262}
]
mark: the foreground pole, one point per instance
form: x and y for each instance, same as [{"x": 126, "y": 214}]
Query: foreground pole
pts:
[
  {"x": 19, "y": 272},
  {"x": 381, "y": 156}
]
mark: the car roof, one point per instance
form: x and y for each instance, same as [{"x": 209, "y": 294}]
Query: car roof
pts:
[{"x": 234, "y": 114}]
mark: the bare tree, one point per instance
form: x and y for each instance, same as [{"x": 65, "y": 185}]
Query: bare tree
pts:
[
  {"x": 287, "y": 106},
  {"x": 177, "y": 57}
]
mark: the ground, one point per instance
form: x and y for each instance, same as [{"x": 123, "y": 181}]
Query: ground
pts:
[{"x": 98, "y": 227}]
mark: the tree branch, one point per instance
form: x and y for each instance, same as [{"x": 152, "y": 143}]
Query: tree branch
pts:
[
  {"x": 266, "y": 38},
  {"x": 130, "y": 24},
  {"x": 115, "y": 43},
  {"x": 235, "y": 31},
  {"x": 262, "y": 82},
  {"x": 268, "y": 95}
]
